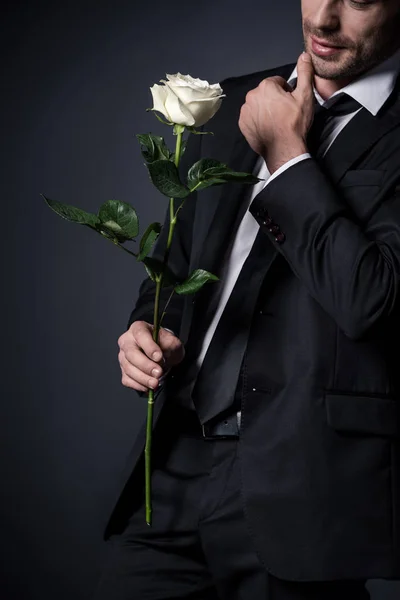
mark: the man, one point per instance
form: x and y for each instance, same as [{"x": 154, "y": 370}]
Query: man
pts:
[{"x": 277, "y": 456}]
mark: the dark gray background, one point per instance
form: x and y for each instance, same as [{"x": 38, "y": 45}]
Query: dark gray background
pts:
[{"x": 75, "y": 87}]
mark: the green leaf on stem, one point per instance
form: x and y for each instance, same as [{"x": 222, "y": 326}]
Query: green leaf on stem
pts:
[
  {"x": 153, "y": 147},
  {"x": 148, "y": 238},
  {"x": 229, "y": 175},
  {"x": 196, "y": 171},
  {"x": 155, "y": 267},
  {"x": 72, "y": 213},
  {"x": 208, "y": 172},
  {"x": 197, "y": 132},
  {"x": 195, "y": 282},
  {"x": 107, "y": 233},
  {"x": 165, "y": 177},
  {"x": 183, "y": 147},
  {"x": 120, "y": 218},
  {"x": 150, "y": 271}
]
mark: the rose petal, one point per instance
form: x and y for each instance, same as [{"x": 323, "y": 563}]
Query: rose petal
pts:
[
  {"x": 159, "y": 94},
  {"x": 199, "y": 84},
  {"x": 178, "y": 112},
  {"x": 187, "y": 94},
  {"x": 203, "y": 110}
]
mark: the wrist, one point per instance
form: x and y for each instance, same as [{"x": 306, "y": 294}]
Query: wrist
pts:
[{"x": 283, "y": 151}]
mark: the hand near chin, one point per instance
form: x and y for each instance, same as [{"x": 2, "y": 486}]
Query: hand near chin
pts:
[{"x": 275, "y": 119}]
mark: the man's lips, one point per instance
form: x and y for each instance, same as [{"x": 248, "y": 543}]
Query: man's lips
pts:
[{"x": 322, "y": 48}]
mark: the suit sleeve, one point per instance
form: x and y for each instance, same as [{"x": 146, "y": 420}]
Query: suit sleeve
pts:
[
  {"x": 352, "y": 270},
  {"x": 179, "y": 257}
]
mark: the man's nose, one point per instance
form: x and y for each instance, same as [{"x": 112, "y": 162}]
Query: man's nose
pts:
[{"x": 327, "y": 14}]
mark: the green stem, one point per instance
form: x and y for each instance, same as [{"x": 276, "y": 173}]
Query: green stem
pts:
[
  {"x": 115, "y": 242},
  {"x": 178, "y": 147},
  {"x": 179, "y": 208},
  {"x": 149, "y": 423},
  {"x": 166, "y": 306},
  {"x": 126, "y": 250},
  {"x": 147, "y": 455},
  {"x": 156, "y": 329},
  {"x": 183, "y": 202}
]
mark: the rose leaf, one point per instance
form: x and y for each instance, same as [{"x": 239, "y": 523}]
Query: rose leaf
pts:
[
  {"x": 148, "y": 239},
  {"x": 154, "y": 267},
  {"x": 194, "y": 282},
  {"x": 121, "y": 218},
  {"x": 72, "y": 213},
  {"x": 165, "y": 177},
  {"x": 153, "y": 147}
]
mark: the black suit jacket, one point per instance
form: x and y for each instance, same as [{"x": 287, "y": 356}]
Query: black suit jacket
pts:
[{"x": 319, "y": 447}]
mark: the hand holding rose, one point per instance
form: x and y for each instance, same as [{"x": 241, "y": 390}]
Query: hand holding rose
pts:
[
  {"x": 148, "y": 351},
  {"x": 142, "y": 360},
  {"x": 275, "y": 120}
]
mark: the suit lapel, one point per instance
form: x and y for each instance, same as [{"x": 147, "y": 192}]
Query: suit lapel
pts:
[
  {"x": 227, "y": 203},
  {"x": 359, "y": 135},
  {"x": 224, "y": 211},
  {"x": 217, "y": 219},
  {"x": 230, "y": 204}
]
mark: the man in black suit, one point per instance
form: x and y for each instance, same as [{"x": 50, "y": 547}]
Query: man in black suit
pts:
[{"x": 276, "y": 470}]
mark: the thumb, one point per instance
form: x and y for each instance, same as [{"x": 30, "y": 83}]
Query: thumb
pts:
[
  {"x": 172, "y": 347},
  {"x": 305, "y": 75}
]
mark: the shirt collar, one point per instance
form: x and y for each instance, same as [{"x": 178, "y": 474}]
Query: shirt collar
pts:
[{"x": 371, "y": 90}]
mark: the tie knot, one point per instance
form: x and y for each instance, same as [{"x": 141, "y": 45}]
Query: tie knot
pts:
[{"x": 342, "y": 105}]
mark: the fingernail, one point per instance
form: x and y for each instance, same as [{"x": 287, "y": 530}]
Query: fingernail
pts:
[
  {"x": 153, "y": 383},
  {"x": 156, "y": 355},
  {"x": 156, "y": 372},
  {"x": 306, "y": 57}
]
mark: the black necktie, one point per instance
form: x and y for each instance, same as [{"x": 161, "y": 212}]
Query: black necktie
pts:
[
  {"x": 344, "y": 105},
  {"x": 215, "y": 385},
  {"x": 187, "y": 376}
]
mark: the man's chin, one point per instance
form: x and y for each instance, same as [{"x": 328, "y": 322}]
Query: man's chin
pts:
[{"x": 328, "y": 67}]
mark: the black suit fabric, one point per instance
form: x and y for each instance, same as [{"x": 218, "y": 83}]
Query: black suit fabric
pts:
[
  {"x": 319, "y": 448},
  {"x": 199, "y": 546}
]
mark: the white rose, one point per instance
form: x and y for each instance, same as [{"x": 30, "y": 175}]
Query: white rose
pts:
[{"x": 186, "y": 101}]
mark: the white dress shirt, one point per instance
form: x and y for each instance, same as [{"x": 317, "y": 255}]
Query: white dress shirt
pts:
[{"x": 371, "y": 91}]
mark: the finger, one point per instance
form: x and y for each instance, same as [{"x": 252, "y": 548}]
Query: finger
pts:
[
  {"x": 280, "y": 81},
  {"x": 305, "y": 76},
  {"x": 166, "y": 339},
  {"x": 173, "y": 349},
  {"x": 143, "y": 336},
  {"x": 138, "y": 359},
  {"x": 164, "y": 330},
  {"x": 129, "y": 383},
  {"x": 130, "y": 372}
]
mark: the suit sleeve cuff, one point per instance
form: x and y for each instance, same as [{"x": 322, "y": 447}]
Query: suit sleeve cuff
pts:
[
  {"x": 287, "y": 165},
  {"x": 298, "y": 205}
]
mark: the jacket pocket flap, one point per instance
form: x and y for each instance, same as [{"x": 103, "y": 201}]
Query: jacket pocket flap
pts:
[
  {"x": 362, "y": 414},
  {"x": 362, "y": 177}
]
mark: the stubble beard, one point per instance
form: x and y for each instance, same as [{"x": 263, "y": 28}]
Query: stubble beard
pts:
[{"x": 354, "y": 59}]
